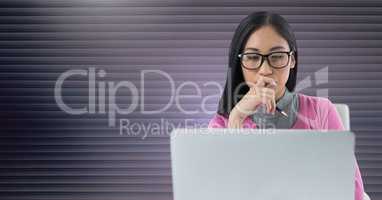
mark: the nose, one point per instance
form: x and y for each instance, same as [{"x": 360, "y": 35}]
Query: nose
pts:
[{"x": 265, "y": 69}]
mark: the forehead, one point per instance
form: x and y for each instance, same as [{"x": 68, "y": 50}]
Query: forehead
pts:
[{"x": 265, "y": 38}]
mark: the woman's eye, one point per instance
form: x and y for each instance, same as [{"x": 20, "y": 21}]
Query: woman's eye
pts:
[
  {"x": 253, "y": 57},
  {"x": 277, "y": 56}
]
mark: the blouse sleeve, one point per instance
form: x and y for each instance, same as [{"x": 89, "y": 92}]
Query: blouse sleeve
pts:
[
  {"x": 218, "y": 121},
  {"x": 330, "y": 120}
]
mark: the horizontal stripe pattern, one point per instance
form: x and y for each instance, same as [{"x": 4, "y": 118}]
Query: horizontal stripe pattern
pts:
[{"x": 46, "y": 153}]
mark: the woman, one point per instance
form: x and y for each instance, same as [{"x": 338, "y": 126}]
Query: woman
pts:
[{"x": 261, "y": 78}]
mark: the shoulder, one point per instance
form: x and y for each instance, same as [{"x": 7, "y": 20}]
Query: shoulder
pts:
[
  {"x": 312, "y": 105},
  {"x": 309, "y": 101},
  {"x": 320, "y": 111}
]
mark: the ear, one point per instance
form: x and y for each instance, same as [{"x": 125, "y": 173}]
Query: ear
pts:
[{"x": 293, "y": 61}]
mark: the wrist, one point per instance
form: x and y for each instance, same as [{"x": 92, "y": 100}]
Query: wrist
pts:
[{"x": 236, "y": 114}]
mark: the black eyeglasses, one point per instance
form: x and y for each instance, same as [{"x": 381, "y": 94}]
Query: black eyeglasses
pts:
[{"x": 253, "y": 61}]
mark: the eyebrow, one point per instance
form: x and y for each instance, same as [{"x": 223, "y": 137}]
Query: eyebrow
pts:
[{"x": 271, "y": 49}]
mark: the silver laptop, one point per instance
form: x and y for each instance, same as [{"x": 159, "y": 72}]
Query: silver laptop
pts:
[{"x": 253, "y": 164}]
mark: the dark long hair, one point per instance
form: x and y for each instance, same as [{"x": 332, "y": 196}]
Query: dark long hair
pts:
[{"x": 235, "y": 79}]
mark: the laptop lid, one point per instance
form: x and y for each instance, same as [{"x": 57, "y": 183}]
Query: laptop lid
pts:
[{"x": 253, "y": 164}]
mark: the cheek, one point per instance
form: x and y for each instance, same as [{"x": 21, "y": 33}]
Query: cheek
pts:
[{"x": 282, "y": 77}]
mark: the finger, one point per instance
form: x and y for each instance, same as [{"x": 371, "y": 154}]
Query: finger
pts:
[
  {"x": 250, "y": 84},
  {"x": 269, "y": 80},
  {"x": 268, "y": 96},
  {"x": 272, "y": 85},
  {"x": 264, "y": 106},
  {"x": 273, "y": 106},
  {"x": 260, "y": 81},
  {"x": 267, "y": 91},
  {"x": 269, "y": 102},
  {"x": 263, "y": 81},
  {"x": 262, "y": 90},
  {"x": 272, "y": 99},
  {"x": 265, "y": 101},
  {"x": 269, "y": 105},
  {"x": 272, "y": 102},
  {"x": 252, "y": 92}
]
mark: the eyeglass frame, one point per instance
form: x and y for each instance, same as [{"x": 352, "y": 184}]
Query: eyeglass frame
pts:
[{"x": 240, "y": 56}]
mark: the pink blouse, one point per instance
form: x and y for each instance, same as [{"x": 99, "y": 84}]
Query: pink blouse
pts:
[{"x": 313, "y": 113}]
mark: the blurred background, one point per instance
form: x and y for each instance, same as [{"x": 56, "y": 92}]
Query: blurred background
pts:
[{"x": 48, "y": 153}]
